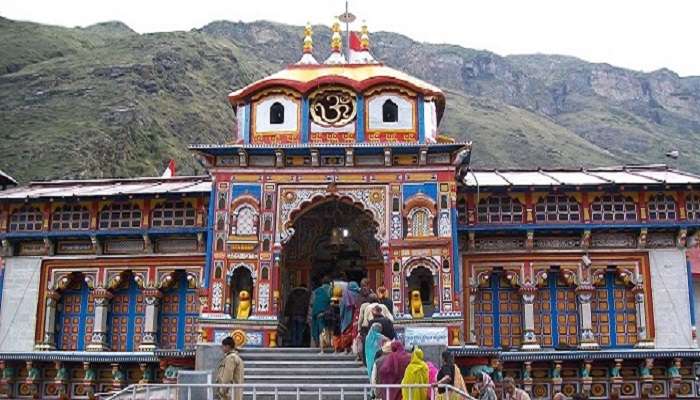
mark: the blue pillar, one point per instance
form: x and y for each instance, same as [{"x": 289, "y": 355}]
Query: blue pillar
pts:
[
  {"x": 421, "y": 120},
  {"x": 691, "y": 292},
  {"x": 209, "y": 231},
  {"x": 246, "y": 123},
  {"x": 360, "y": 136},
  {"x": 305, "y": 120},
  {"x": 456, "y": 257}
]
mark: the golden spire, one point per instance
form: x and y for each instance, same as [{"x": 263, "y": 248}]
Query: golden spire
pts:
[
  {"x": 364, "y": 36},
  {"x": 308, "y": 41},
  {"x": 336, "y": 40}
]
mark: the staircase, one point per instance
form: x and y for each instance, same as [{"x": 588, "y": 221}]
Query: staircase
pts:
[{"x": 303, "y": 366}]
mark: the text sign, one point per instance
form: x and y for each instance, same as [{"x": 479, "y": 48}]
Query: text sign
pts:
[{"x": 425, "y": 336}]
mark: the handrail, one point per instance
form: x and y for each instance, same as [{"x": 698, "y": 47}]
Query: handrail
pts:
[{"x": 278, "y": 388}]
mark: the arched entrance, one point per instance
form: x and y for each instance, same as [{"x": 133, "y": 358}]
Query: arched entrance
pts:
[{"x": 335, "y": 239}]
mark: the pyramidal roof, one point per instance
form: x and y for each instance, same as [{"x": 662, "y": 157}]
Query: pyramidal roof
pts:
[{"x": 359, "y": 70}]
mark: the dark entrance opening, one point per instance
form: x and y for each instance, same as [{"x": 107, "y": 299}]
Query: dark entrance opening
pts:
[{"x": 333, "y": 239}]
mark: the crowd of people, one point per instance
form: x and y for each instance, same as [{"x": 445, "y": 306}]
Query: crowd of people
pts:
[{"x": 358, "y": 320}]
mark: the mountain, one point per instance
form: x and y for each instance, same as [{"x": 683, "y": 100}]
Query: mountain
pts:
[{"x": 106, "y": 101}]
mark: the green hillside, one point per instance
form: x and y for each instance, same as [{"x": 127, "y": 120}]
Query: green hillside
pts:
[{"x": 106, "y": 101}]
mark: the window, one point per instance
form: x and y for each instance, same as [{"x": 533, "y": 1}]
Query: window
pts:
[
  {"x": 390, "y": 111},
  {"x": 178, "y": 316},
  {"x": 503, "y": 301},
  {"x": 692, "y": 207},
  {"x": 420, "y": 223},
  {"x": 661, "y": 207},
  {"x": 120, "y": 215},
  {"x": 556, "y": 313},
  {"x": 71, "y": 217},
  {"x": 276, "y": 113},
  {"x": 26, "y": 219},
  {"x": 610, "y": 208},
  {"x": 173, "y": 213},
  {"x": 557, "y": 208},
  {"x": 500, "y": 209},
  {"x": 613, "y": 313},
  {"x": 75, "y": 316},
  {"x": 246, "y": 221},
  {"x": 127, "y": 315}
]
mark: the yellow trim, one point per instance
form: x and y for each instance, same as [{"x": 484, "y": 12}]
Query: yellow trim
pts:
[
  {"x": 253, "y": 121},
  {"x": 284, "y": 91},
  {"x": 245, "y": 178}
]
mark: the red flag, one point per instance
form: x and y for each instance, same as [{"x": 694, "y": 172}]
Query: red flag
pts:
[
  {"x": 170, "y": 170},
  {"x": 355, "y": 43}
]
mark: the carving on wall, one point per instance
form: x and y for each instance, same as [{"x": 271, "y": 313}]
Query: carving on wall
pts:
[
  {"x": 557, "y": 242},
  {"x": 217, "y": 296},
  {"x": 499, "y": 243},
  {"x": 333, "y": 108},
  {"x": 606, "y": 240},
  {"x": 294, "y": 199}
]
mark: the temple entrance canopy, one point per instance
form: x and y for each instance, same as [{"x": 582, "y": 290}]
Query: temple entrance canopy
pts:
[{"x": 332, "y": 238}]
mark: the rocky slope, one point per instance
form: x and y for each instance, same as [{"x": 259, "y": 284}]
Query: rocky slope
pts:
[{"x": 105, "y": 101}]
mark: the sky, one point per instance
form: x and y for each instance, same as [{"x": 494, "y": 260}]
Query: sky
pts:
[{"x": 642, "y": 35}]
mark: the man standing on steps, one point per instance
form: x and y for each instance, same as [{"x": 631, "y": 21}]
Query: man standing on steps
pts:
[{"x": 229, "y": 371}]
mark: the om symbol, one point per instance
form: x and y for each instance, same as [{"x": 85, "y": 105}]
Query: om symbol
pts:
[{"x": 333, "y": 108}]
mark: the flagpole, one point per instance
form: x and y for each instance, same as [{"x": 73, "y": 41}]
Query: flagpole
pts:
[{"x": 347, "y": 33}]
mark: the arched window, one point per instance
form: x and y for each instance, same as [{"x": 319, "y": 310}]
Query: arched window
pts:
[
  {"x": 120, "y": 215},
  {"x": 557, "y": 208},
  {"x": 219, "y": 244},
  {"x": 390, "y": 111},
  {"x": 613, "y": 313},
  {"x": 692, "y": 207},
  {"x": 421, "y": 225},
  {"x": 70, "y": 217},
  {"x": 498, "y": 314},
  {"x": 661, "y": 207},
  {"x": 246, "y": 221},
  {"x": 555, "y": 312},
  {"x": 75, "y": 316},
  {"x": 613, "y": 208},
  {"x": 276, "y": 113},
  {"x": 127, "y": 315},
  {"x": 178, "y": 316},
  {"x": 500, "y": 210},
  {"x": 173, "y": 213},
  {"x": 241, "y": 280},
  {"x": 26, "y": 219}
]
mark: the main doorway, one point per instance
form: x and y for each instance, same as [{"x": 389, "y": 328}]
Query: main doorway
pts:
[{"x": 334, "y": 240}]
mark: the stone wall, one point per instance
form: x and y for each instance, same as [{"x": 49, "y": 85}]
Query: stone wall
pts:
[
  {"x": 20, "y": 294},
  {"x": 669, "y": 280}
]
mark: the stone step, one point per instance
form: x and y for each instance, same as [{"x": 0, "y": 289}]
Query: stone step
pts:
[
  {"x": 282, "y": 356},
  {"x": 318, "y": 364},
  {"x": 307, "y": 395},
  {"x": 308, "y": 379},
  {"x": 278, "y": 350},
  {"x": 272, "y": 371}
]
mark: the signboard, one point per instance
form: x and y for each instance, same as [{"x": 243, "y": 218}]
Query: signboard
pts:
[{"x": 425, "y": 336}]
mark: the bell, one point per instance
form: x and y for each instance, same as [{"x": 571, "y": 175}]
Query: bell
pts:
[{"x": 336, "y": 237}]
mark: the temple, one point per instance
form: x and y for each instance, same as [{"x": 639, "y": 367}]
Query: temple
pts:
[{"x": 565, "y": 279}]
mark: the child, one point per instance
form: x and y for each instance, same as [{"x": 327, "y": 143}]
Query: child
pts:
[{"x": 331, "y": 335}]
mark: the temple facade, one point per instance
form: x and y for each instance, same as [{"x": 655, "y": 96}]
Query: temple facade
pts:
[{"x": 566, "y": 280}]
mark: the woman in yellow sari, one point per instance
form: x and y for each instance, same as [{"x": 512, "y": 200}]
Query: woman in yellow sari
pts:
[{"x": 416, "y": 374}]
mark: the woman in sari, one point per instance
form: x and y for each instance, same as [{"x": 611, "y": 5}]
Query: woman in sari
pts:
[
  {"x": 416, "y": 374},
  {"x": 392, "y": 370},
  {"x": 321, "y": 303},
  {"x": 487, "y": 389},
  {"x": 372, "y": 345},
  {"x": 450, "y": 374},
  {"x": 432, "y": 377},
  {"x": 349, "y": 310}
]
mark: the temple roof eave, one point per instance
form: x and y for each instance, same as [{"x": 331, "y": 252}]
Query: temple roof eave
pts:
[{"x": 305, "y": 148}]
